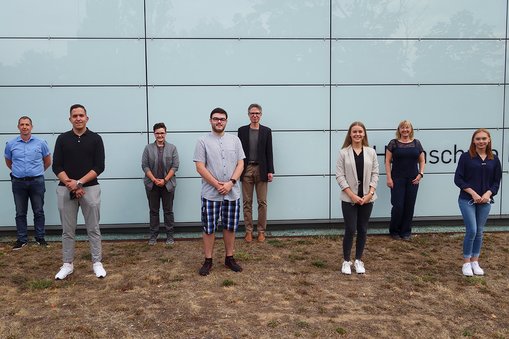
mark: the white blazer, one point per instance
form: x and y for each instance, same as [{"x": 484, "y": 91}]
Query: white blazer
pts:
[{"x": 346, "y": 172}]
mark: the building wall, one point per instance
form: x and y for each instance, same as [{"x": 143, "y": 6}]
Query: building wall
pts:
[{"x": 315, "y": 66}]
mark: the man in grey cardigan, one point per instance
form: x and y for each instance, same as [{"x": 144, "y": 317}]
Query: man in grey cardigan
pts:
[{"x": 159, "y": 162}]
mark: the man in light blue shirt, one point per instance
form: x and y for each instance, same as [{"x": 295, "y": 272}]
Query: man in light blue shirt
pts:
[{"x": 28, "y": 157}]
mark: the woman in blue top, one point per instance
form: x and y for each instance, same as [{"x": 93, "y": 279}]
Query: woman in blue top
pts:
[
  {"x": 478, "y": 176},
  {"x": 401, "y": 159}
]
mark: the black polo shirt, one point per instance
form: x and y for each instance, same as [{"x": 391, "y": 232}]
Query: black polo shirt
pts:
[{"x": 78, "y": 154}]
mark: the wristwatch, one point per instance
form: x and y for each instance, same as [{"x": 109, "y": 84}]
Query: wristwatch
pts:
[
  {"x": 233, "y": 181},
  {"x": 422, "y": 174},
  {"x": 79, "y": 184}
]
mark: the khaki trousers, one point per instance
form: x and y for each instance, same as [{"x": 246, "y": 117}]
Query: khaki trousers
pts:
[{"x": 251, "y": 181}]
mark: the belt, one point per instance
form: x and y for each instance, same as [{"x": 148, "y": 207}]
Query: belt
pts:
[{"x": 25, "y": 178}]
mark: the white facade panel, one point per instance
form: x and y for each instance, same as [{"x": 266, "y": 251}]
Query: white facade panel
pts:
[{"x": 314, "y": 66}]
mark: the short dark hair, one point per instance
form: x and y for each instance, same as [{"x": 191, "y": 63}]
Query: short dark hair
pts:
[
  {"x": 254, "y": 106},
  {"x": 77, "y": 106},
  {"x": 24, "y": 118},
  {"x": 218, "y": 110},
  {"x": 159, "y": 125}
]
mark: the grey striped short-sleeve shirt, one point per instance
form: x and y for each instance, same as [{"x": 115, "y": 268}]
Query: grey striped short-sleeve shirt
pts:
[{"x": 220, "y": 155}]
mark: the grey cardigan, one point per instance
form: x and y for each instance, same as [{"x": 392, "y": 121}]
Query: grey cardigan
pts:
[
  {"x": 346, "y": 172},
  {"x": 171, "y": 161}
]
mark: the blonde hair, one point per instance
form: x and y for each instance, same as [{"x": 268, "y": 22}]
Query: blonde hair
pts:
[{"x": 405, "y": 123}]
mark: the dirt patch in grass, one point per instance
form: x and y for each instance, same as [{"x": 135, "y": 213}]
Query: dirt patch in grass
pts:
[{"x": 290, "y": 287}]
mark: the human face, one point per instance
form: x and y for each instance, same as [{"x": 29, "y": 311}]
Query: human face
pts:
[
  {"x": 160, "y": 135},
  {"x": 255, "y": 115},
  {"x": 481, "y": 141},
  {"x": 405, "y": 131},
  {"x": 357, "y": 134},
  {"x": 25, "y": 128},
  {"x": 218, "y": 122},
  {"x": 78, "y": 119}
]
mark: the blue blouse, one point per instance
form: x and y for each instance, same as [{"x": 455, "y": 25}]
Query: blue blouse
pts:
[{"x": 477, "y": 174}]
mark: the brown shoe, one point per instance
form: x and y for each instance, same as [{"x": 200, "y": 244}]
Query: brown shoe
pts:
[
  {"x": 261, "y": 236},
  {"x": 249, "y": 236}
]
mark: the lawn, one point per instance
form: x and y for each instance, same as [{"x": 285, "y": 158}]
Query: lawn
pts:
[{"x": 290, "y": 287}]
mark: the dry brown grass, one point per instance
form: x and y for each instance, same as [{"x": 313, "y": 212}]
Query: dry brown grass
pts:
[{"x": 290, "y": 287}]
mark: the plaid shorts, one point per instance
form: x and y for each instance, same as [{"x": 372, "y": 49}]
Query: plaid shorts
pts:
[{"x": 210, "y": 211}]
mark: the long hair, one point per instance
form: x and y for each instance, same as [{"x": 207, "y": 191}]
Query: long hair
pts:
[
  {"x": 348, "y": 138},
  {"x": 489, "y": 151},
  {"x": 405, "y": 123}
]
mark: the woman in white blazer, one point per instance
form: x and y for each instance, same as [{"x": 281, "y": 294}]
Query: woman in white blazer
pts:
[{"x": 357, "y": 176}]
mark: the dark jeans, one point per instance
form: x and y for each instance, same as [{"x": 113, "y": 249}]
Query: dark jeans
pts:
[
  {"x": 403, "y": 196},
  {"x": 155, "y": 196},
  {"x": 356, "y": 218},
  {"x": 23, "y": 191}
]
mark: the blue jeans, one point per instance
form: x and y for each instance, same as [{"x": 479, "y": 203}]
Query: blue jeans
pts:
[
  {"x": 474, "y": 216},
  {"x": 23, "y": 191}
]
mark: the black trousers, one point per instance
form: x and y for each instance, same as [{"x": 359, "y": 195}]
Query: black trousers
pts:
[
  {"x": 356, "y": 219},
  {"x": 155, "y": 197},
  {"x": 403, "y": 196}
]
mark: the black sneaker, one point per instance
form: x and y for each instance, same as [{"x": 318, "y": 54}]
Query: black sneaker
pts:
[
  {"x": 205, "y": 269},
  {"x": 232, "y": 265},
  {"x": 18, "y": 245},
  {"x": 41, "y": 242}
]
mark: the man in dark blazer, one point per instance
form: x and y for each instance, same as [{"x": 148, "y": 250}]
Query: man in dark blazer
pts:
[{"x": 258, "y": 170}]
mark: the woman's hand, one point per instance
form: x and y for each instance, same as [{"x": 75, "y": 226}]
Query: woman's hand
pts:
[
  {"x": 486, "y": 197},
  {"x": 476, "y": 197},
  {"x": 390, "y": 183},
  {"x": 417, "y": 179}
]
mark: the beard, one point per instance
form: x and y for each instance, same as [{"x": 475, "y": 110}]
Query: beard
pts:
[{"x": 218, "y": 129}]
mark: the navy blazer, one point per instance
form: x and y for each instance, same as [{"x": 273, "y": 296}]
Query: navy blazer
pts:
[{"x": 265, "y": 159}]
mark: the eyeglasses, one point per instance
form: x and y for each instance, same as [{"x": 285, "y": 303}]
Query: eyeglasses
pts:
[
  {"x": 218, "y": 119},
  {"x": 471, "y": 202},
  {"x": 159, "y": 133},
  {"x": 255, "y": 113}
]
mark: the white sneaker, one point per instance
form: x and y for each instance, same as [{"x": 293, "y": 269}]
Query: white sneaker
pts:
[
  {"x": 99, "y": 270},
  {"x": 65, "y": 270},
  {"x": 467, "y": 269},
  {"x": 359, "y": 267},
  {"x": 476, "y": 268},
  {"x": 346, "y": 268}
]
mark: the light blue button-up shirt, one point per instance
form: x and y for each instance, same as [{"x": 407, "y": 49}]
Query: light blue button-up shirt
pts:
[{"x": 26, "y": 156}]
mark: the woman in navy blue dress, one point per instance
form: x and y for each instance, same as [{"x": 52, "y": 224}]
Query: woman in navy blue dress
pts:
[{"x": 404, "y": 165}]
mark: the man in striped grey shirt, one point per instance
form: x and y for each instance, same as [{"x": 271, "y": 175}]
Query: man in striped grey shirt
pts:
[{"x": 219, "y": 159}]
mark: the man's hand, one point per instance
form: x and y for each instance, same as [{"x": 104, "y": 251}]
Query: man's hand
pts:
[
  {"x": 159, "y": 182},
  {"x": 79, "y": 192},
  {"x": 71, "y": 184},
  {"x": 224, "y": 187}
]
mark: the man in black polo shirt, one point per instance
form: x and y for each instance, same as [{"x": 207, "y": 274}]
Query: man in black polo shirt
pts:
[{"x": 78, "y": 160}]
